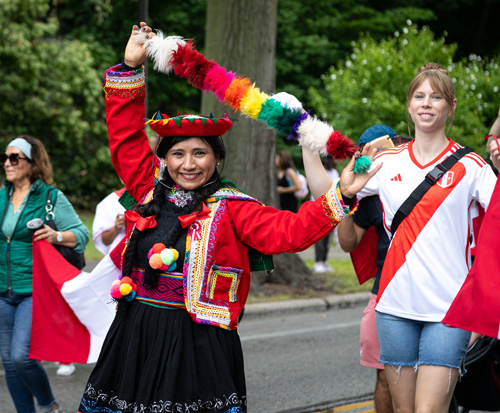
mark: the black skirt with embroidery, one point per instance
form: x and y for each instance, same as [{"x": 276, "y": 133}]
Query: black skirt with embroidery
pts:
[{"x": 159, "y": 360}]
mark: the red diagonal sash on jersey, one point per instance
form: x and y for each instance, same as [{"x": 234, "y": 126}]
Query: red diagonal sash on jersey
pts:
[
  {"x": 477, "y": 305},
  {"x": 411, "y": 226}
]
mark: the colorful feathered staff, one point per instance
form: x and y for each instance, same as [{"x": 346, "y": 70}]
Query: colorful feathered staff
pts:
[{"x": 284, "y": 115}]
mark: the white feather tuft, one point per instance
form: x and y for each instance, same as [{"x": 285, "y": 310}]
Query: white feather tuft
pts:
[
  {"x": 287, "y": 100},
  {"x": 314, "y": 134},
  {"x": 161, "y": 50}
]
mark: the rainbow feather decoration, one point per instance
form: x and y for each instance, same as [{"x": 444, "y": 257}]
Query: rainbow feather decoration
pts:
[{"x": 282, "y": 111}]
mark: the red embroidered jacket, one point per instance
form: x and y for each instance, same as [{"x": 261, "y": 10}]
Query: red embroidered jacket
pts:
[{"x": 216, "y": 270}]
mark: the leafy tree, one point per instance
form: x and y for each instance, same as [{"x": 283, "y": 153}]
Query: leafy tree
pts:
[
  {"x": 105, "y": 26},
  {"x": 314, "y": 35},
  {"x": 50, "y": 90},
  {"x": 370, "y": 86}
]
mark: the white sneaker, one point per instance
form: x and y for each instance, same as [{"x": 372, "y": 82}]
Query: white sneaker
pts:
[
  {"x": 319, "y": 268},
  {"x": 327, "y": 267},
  {"x": 66, "y": 369}
]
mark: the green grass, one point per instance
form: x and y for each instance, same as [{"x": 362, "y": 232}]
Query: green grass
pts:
[
  {"x": 91, "y": 252},
  {"x": 344, "y": 279}
]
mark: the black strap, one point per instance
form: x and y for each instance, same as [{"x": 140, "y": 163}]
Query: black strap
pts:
[{"x": 430, "y": 179}]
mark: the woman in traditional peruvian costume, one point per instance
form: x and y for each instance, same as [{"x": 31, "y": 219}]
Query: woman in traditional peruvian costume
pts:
[{"x": 174, "y": 345}]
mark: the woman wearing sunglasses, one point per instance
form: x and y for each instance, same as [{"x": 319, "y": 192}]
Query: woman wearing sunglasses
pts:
[{"x": 24, "y": 197}]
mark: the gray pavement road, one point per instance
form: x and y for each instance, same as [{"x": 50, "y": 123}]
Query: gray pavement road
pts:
[
  {"x": 291, "y": 361},
  {"x": 305, "y": 361}
]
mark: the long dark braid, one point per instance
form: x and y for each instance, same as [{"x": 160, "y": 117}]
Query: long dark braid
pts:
[{"x": 155, "y": 205}]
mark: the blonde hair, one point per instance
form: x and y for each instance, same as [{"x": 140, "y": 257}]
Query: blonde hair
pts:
[
  {"x": 440, "y": 81},
  {"x": 40, "y": 162}
]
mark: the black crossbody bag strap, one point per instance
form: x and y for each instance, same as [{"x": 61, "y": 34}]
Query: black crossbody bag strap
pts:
[{"x": 430, "y": 179}]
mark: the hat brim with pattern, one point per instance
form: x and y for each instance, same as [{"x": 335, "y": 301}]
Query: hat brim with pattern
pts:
[{"x": 189, "y": 125}]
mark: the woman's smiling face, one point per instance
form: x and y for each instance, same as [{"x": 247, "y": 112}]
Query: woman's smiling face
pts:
[
  {"x": 428, "y": 108},
  {"x": 20, "y": 172},
  {"x": 191, "y": 163}
]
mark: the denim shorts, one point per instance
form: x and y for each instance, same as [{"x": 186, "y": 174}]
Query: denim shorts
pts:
[{"x": 405, "y": 342}]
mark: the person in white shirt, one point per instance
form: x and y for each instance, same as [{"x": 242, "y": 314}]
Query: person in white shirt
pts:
[
  {"x": 428, "y": 257},
  {"x": 108, "y": 227}
]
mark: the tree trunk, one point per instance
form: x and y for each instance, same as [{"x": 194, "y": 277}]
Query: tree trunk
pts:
[{"x": 241, "y": 37}]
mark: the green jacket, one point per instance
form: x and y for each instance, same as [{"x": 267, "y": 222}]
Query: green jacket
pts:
[{"x": 16, "y": 270}]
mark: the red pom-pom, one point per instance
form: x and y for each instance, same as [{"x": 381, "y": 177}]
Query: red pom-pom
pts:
[
  {"x": 134, "y": 287},
  {"x": 340, "y": 146},
  {"x": 126, "y": 280},
  {"x": 158, "y": 247}
]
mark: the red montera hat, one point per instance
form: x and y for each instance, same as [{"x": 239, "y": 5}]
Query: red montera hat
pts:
[{"x": 189, "y": 125}]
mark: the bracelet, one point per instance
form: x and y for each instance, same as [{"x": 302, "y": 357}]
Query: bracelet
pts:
[
  {"x": 111, "y": 71},
  {"x": 346, "y": 208}
]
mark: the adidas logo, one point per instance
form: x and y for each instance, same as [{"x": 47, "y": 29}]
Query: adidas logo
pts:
[{"x": 397, "y": 178}]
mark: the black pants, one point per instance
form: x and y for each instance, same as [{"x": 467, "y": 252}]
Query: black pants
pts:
[{"x": 321, "y": 248}]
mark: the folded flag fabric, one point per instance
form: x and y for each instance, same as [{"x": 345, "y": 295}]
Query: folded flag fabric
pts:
[
  {"x": 364, "y": 257},
  {"x": 72, "y": 309},
  {"x": 477, "y": 305}
]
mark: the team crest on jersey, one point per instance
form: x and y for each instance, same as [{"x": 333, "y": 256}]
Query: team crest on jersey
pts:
[{"x": 446, "y": 180}]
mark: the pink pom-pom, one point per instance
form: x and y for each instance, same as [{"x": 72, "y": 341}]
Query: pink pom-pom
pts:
[
  {"x": 126, "y": 280},
  {"x": 340, "y": 146},
  {"x": 164, "y": 267},
  {"x": 157, "y": 248},
  {"x": 150, "y": 252},
  {"x": 218, "y": 80},
  {"x": 155, "y": 261},
  {"x": 115, "y": 292}
]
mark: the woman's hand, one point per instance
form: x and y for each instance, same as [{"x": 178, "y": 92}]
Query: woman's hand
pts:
[
  {"x": 46, "y": 233},
  {"x": 351, "y": 183},
  {"x": 134, "y": 52},
  {"x": 494, "y": 151}
]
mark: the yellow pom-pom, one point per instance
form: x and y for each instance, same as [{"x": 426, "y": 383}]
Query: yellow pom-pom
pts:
[
  {"x": 125, "y": 289},
  {"x": 175, "y": 252},
  {"x": 252, "y": 102}
]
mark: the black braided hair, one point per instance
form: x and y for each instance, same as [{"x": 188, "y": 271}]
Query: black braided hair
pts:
[{"x": 154, "y": 206}]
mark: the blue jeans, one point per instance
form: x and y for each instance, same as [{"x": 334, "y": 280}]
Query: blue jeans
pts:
[
  {"x": 406, "y": 342},
  {"x": 25, "y": 378}
]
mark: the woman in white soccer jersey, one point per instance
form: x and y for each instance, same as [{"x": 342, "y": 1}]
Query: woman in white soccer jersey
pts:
[{"x": 428, "y": 259}]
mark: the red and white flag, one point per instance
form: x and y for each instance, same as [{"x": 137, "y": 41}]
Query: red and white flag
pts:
[
  {"x": 477, "y": 305},
  {"x": 72, "y": 309}
]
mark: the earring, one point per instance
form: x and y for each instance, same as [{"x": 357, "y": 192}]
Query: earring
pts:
[{"x": 218, "y": 163}]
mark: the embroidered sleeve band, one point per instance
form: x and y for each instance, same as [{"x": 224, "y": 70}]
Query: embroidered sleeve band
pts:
[
  {"x": 125, "y": 84},
  {"x": 334, "y": 207}
]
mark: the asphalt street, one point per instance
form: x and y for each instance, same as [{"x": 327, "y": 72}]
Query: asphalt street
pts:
[
  {"x": 305, "y": 361},
  {"x": 292, "y": 362}
]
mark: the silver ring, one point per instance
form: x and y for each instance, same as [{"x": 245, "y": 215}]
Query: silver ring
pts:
[{"x": 47, "y": 235}]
